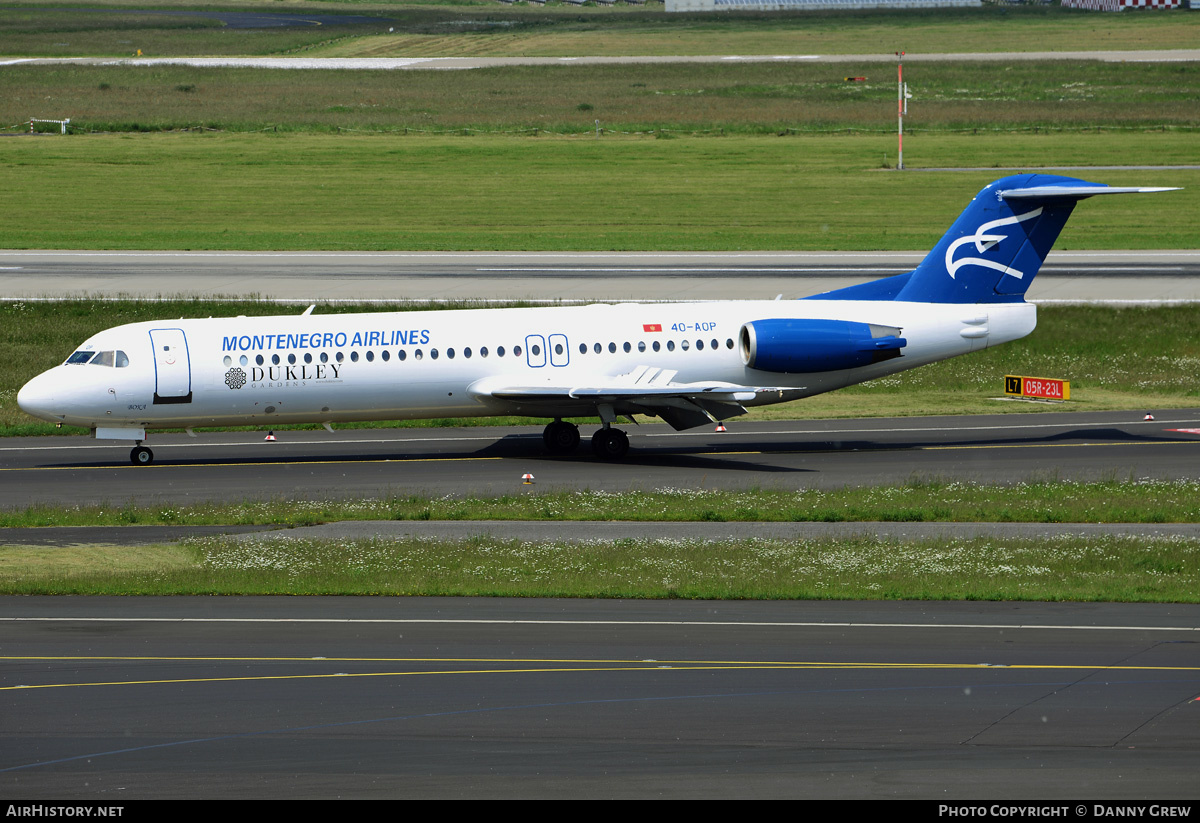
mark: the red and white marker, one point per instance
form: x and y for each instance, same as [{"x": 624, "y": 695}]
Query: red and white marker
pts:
[
  {"x": 270, "y": 437},
  {"x": 720, "y": 427},
  {"x": 528, "y": 478},
  {"x": 1148, "y": 417}
]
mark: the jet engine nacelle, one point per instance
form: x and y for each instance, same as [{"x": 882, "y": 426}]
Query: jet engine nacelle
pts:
[{"x": 806, "y": 346}]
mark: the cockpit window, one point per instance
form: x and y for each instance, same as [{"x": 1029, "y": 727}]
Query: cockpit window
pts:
[{"x": 104, "y": 358}]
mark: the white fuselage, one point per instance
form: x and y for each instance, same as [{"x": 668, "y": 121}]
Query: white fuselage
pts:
[{"x": 402, "y": 365}]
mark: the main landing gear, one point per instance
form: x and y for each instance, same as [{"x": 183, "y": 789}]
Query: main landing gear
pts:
[
  {"x": 562, "y": 438},
  {"x": 141, "y": 456},
  {"x": 610, "y": 444}
]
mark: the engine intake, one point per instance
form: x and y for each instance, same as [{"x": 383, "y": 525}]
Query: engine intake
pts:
[{"x": 806, "y": 346}]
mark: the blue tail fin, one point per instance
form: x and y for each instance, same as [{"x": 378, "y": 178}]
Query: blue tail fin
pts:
[{"x": 994, "y": 249}]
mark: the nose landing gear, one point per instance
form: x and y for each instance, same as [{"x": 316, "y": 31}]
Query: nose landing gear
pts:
[{"x": 141, "y": 456}]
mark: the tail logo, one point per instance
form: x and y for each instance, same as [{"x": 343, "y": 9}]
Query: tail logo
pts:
[{"x": 984, "y": 240}]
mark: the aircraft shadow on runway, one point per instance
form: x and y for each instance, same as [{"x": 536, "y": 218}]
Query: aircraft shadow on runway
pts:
[{"x": 701, "y": 455}]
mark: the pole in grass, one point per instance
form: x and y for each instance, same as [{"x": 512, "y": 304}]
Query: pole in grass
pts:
[{"x": 901, "y": 106}]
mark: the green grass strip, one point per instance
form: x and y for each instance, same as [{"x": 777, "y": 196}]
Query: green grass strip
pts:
[
  {"x": 263, "y": 192},
  {"x": 1133, "y": 569},
  {"x": 709, "y": 98},
  {"x": 1129, "y": 500}
]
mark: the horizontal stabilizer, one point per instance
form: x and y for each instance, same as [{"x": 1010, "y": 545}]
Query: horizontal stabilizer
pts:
[{"x": 1077, "y": 192}]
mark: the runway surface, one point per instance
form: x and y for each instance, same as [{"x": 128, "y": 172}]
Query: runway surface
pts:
[
  {"x": 491, "y": 461},
  {"x": 1117, "y": 276},
  {"x": 118, "y": 699}
]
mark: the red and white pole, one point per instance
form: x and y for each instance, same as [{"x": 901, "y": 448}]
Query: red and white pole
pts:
[{"x": 900, "y": 106}]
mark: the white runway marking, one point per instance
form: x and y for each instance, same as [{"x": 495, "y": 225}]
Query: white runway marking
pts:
[{"x": 486, "y": 622}]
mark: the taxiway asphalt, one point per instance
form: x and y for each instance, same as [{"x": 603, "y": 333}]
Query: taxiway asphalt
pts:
[
  {"x": 352, "y": 463},
  {"x": 116, "y": 699},
  {"x": 1106, "y": 276}
]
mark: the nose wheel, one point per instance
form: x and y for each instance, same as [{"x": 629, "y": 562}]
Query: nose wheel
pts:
[{"x": 141, "y": 456}]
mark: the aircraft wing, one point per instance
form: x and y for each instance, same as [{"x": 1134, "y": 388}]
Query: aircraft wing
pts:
[{"x": 645, "y": 390}]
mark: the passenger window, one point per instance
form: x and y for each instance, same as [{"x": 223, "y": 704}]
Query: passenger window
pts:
[
  {"x": 670, "y": 345},
  {"x": 583, "y": 348},
  {"x": 370, "y": 356},
  {"x": 402, "y": 355},
  {"x": 683, "y": 344},
  {"x": 433, "y": 353},
  {"x": 386, "y": 355},
  {"x": 516, "y": 351},
  {"x": 228, "y": 361},
  {"x": 657, "y": 345},
  {"x": 499, "y": 351},
  {"x": 641, "y": 345},
  {"x": 353, "y": 357},
  {"x": 483, "y": 351},
  {"x": 597, "y": 348}
]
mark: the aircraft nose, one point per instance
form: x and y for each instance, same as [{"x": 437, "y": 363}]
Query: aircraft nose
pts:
[{"x": 39, "y": 397}]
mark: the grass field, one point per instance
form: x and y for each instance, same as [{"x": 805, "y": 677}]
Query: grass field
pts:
[
  {"x": 264, "y": 192},
  {"x": 1115, "y": 358},
  {"x": 1130, "y": 569},
  {"x": 475, "y": 27},
  {"x": 704, "y": 98},
  {"x": 921, "y": 500}
]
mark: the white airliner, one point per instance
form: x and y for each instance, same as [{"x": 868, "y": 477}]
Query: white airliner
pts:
[{"x": 689, "y": 364}]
